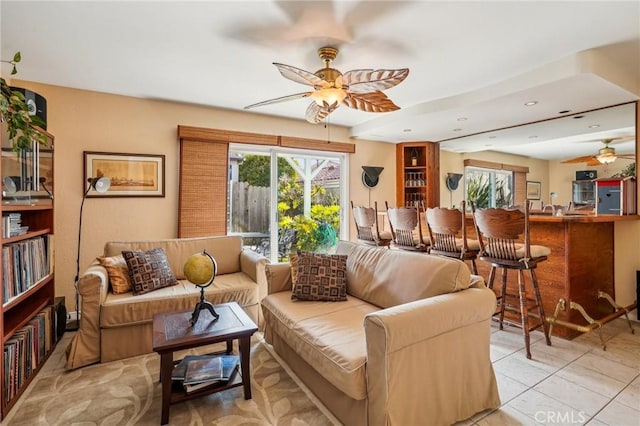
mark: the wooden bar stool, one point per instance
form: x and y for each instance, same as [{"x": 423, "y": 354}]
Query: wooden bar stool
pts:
[
  {"x": 406, "y": 228},
  {"x": 367, "y": 229},
  {"x": 499, "y": 232},
  {"x": 448, "y": 235}
]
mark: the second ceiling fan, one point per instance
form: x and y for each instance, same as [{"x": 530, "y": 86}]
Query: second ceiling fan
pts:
[
  {"x": 359, "y": 89},
  {"x": 604, "y": 155}
]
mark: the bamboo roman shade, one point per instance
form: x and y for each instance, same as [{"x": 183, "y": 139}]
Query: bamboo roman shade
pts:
[{"x": 203, "y": 188}]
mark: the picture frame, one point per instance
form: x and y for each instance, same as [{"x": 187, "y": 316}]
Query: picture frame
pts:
[
  {"x": 131, "y": 175},
  {"x": 534, "y": 189}
]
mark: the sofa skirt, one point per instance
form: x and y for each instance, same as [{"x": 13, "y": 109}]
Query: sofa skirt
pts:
[{"x": 347, "y": 410}]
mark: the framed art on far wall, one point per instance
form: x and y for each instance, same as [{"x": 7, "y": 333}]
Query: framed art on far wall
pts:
[
  {"x": 131, "y": 175},
  {"x": 533, "y": 190}
]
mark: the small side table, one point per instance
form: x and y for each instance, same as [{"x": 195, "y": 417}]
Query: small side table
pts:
[{"x": 173, "y": 332}]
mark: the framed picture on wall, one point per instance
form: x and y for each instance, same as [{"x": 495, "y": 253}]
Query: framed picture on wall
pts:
[
  {"x": 131, "y": 175},
  {"x": 533, "y": 190}
]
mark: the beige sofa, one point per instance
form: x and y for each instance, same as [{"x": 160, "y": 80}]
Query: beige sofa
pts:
[
  {"x": 410, "y": 346},
  {"x": 116, "y": 326}
]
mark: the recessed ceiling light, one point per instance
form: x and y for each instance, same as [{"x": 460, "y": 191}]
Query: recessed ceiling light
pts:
[
  {"x": 492, "y": 137},
  {"x": 594, "y": 126},
  {"x": 564, "y": 111},
  {"x": 488, "y": 145},
  {"x": 531, "y": 103},
  {"x": 578, "y": 116},
  {"x": 532, "y": 137},
  {"x": 457, "y": 130},
  {"x": 406, "y": 130},
  {"x": 462, "y": 119}
]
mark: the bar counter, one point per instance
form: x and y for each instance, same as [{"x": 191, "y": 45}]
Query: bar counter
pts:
[{"x": 581, "y": 263}]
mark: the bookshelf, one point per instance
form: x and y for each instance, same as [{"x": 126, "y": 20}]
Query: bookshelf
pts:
[
  {"x": 27, "y": 290},
  {"x": 418, "y": 169}
]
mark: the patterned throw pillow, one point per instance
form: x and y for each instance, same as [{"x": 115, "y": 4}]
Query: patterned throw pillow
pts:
[
  {"x": 119, "y": 275},
  {"x": 150, "y": 270},
  {"x": 293, "y": 261},
  {"x": 320, "y": 277}
]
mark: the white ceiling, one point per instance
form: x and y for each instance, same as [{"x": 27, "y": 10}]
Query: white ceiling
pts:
[{"x": 476, "y": 60}]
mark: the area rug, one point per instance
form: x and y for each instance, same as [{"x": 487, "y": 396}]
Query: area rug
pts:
[{"x": 128, "y": 392}]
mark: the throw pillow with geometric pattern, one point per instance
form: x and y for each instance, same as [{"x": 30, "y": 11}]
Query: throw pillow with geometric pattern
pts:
[
  {"x": 321, "y": 277},
  {"x": 149, "y": 270}
]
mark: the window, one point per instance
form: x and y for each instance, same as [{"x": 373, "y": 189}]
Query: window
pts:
[
  {"x": 488, "y": 187},
  {"x": 285, "y": 198}
]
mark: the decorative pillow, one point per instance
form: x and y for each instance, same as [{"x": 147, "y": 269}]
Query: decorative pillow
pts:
[
  {"x": 150, "y": 270},
  {"x": 119, "y": 275},
  {"x": 293, "y": 261},
  {"x": 320, "y": 277}
]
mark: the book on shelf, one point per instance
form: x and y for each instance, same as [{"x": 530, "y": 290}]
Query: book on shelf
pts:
[
  {"x": 12, "y": 225},
  {"x": 25, "y": 351},
  {"x": 24, "y": 263},
  {"x": 180, "y": 369},
  {"x": 199, "y": 371}
]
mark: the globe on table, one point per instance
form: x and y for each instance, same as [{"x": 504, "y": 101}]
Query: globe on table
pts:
[{"x": 200, "y": 269}]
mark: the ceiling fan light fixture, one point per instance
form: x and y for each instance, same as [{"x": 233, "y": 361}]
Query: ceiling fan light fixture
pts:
[
  {"x": 329, "y": 96},
  {"x": 606, "y": 158},
  {"x": 606, "y": 155}
]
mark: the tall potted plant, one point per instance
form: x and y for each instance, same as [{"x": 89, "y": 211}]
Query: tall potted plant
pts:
[{"x": 22, "y": 127}]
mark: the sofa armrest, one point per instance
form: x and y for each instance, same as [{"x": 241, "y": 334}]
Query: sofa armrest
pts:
[
  {"x": 253, "y": 264},
  {"x": 477, "y": 281},
  {"x": 278, "y": 277},
  {"x": 93, "y": 286},
  {"x": 440, "y": 343}
]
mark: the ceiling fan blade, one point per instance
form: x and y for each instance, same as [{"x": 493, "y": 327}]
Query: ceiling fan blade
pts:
[
  {"x": 316, "y": 113},
  {"x": 281, "y": 99},
  {"x": 583, "y": 159},
  {"x": 370, "y": 102},
  {"x": 300, "y": 76},
  {"x": 367, "y": 81}
]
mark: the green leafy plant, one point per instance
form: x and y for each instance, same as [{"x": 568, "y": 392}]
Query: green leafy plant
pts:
[
  {"x": 14, "y": 110},
  {"x": 256, "y": 169},
  {"x": 479, "y": 191},
  {"x": 316, "y": 232},
  {"x": 630, "y": 170}
]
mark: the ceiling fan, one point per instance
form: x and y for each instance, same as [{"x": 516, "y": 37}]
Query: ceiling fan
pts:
[
  {"x": 605, "y": 155},
  {"x": 359, "y": 89}
]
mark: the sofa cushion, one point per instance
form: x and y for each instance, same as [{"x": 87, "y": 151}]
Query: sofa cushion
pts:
[
  {"x": 320, "y": 277},
  {"x": 119, "y": 275},
  {"x": 149, "y": 270},
  {"x": 388, "y": 278},
  {"x": 120, "y": 310},
  {"x": 226, "y": 250},
  {"x": 328, "y": 336}
]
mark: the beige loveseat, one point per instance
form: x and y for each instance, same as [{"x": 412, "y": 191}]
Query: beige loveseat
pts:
[
  {"x": 116, "y": 326},
  {"x": 410, "y": 346}
]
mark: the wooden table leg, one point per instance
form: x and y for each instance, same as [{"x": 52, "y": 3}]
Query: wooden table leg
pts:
[
  {"x": 244, "y": 344},
  {"x": 166, "y": 365},
  {"x": 229, "y": 346}
]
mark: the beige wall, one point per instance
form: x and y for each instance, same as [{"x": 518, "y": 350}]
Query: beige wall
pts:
[{"x": 90, "y": 121}]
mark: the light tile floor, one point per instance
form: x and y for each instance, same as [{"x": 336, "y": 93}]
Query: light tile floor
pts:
[{"x": 568, "y": 383}]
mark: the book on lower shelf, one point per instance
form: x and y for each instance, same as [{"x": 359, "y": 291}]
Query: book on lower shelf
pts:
[{"x": 200, "y": 371}]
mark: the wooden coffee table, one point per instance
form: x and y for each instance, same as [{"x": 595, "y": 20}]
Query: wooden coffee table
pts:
[{"x": 173, "y": 332}]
